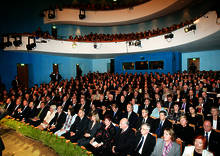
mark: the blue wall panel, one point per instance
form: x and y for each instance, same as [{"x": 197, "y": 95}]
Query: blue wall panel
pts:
[
  {"x": 40, "y": 66},
  {"x": 209, "y": 60},
  {"x": 171, "y": 61}
]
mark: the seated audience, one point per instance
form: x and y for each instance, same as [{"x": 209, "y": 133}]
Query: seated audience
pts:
[
  {"x": 144, "y": 118},
  {"x": 124, "y": 140},
  {"x": 212, "y": 137},
  {"x": 175, "y": 114},
  {"x": 194, "y": 118},
  {"x": 50, "y": 115},
  {"x": 145, "y": 142},
  {"x": 161, "y": 123},
  {"x": 57, "y": 122},
  {"x": 131, "y": 116},
  {"x": 167, "y": 146},
  {"x": 156, "y": 111},
  {"x": 183, "y": 131},
  {"x": 78, "y": 128},
  {"x": 93, "y": 127},
  {"x": 199, "y": 148},
  {"x": 70, "y": 119},
  {"x": 214, "y": 118},
  {"x": 102, "y": 142}
]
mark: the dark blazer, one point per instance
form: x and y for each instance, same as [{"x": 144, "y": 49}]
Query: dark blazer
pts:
[
  {"x": 25, "y": 112},
  {"x": 132, "y": 119},
  {"x": 32, "y": 112},
  {"x": 117, "y": 117},
  {"x": 150, "y": 108},
  {"x": 158, "y": 150},
  {"x": 79, "y": 127},
  {"x": 10, "y": 108},
  {"x": 140, "y": 121},
  {"x": 166, "y": 124},
  {"x": 211, "y": 119},
  {"x": 214, "y": 142},
  {"x": 124, "y": 142},
  {"x": 58, "y": 121},
  {"x": 186, "y": 134},
  {"x": 92, "y": 131},
  {"x": 149, "y": 145}
]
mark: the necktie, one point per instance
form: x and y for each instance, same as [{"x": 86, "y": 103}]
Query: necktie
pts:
[
  {"x": 207, "y": 138},
  {"x": 158, "y": 131},
  {"x": 140, "y": 144}
]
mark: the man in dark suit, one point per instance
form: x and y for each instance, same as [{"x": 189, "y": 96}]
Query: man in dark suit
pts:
[
  {"x": 15, "y": 109},
  {"x": 57, "y": 122},
  {"x": 147, "y": 105},
  {"x": 212, "y": 136},
  {"x": 131, "y": 116},
  {"x": 124, "y": 139},
  {"x": 214, "y": 118},
  {"x": 9, "y": 106},
  {"x": 144, "y": 118},
  {"x": 78, "y": 128},
  {"x": 116, "y": 114},
  {"x": 145, "y": 142},
  {"x": 161, "y": 123},
  {"x": 23, "y": 112},
  {"x": 169, "y": 103},
  {"x": 41, "y": 114}
]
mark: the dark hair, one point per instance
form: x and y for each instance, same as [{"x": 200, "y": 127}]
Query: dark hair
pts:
[
  {"x": 164, "y": 112},
  {"x": 108, "y": 117}
]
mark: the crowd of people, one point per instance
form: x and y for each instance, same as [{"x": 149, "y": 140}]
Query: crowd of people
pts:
[
  {"x": 95, "y": 37},
  {"x": 126, "y": 114}
]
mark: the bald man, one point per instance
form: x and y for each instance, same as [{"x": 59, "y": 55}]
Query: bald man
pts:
[{"x": 124, "y": 140}]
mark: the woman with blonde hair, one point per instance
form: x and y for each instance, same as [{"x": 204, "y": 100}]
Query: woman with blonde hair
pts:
[{"x": 167, "y": 146}]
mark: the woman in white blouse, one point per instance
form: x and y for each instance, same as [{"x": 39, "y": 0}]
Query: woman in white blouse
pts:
[
  {"x": 198, "y": 149},
  {"x": 50, "y": 115}
]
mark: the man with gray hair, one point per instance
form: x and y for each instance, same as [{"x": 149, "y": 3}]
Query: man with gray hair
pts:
[
  {"x": 124, "y": 140},
  {"x": 145, "y": 142}
]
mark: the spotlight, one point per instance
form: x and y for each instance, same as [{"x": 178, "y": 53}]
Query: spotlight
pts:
[
  {"x": 51, "y": 13},
  {"x": 82, "y": 14},
  {"x": 95, "y": 45},
  {"x": 30, "y": 44},
  {"x": 190, "y": 28},
  {"x": 137, "y": 43},
  {"x": 18, "y": 41},
  {"x": 170, "y": 35}
]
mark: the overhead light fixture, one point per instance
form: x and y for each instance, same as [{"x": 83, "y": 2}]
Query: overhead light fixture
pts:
[
  {"x": 18, "y": 41},
  {"x": 169, "y": 36},
  {"x": 51, "y": 13},
  {"x": 190, "y": 28},
  {"x": 31, "y": 43},
  {"x": 137, "y": 43},
  {"x": 95, "y": 45},
  {"x": 82, "y": 14}
]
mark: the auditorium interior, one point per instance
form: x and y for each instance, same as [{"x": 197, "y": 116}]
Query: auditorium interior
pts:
[{"x": 110, "y": 77}]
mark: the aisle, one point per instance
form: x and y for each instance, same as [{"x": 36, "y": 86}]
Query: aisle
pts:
[{"x": 18, "y": 145}]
